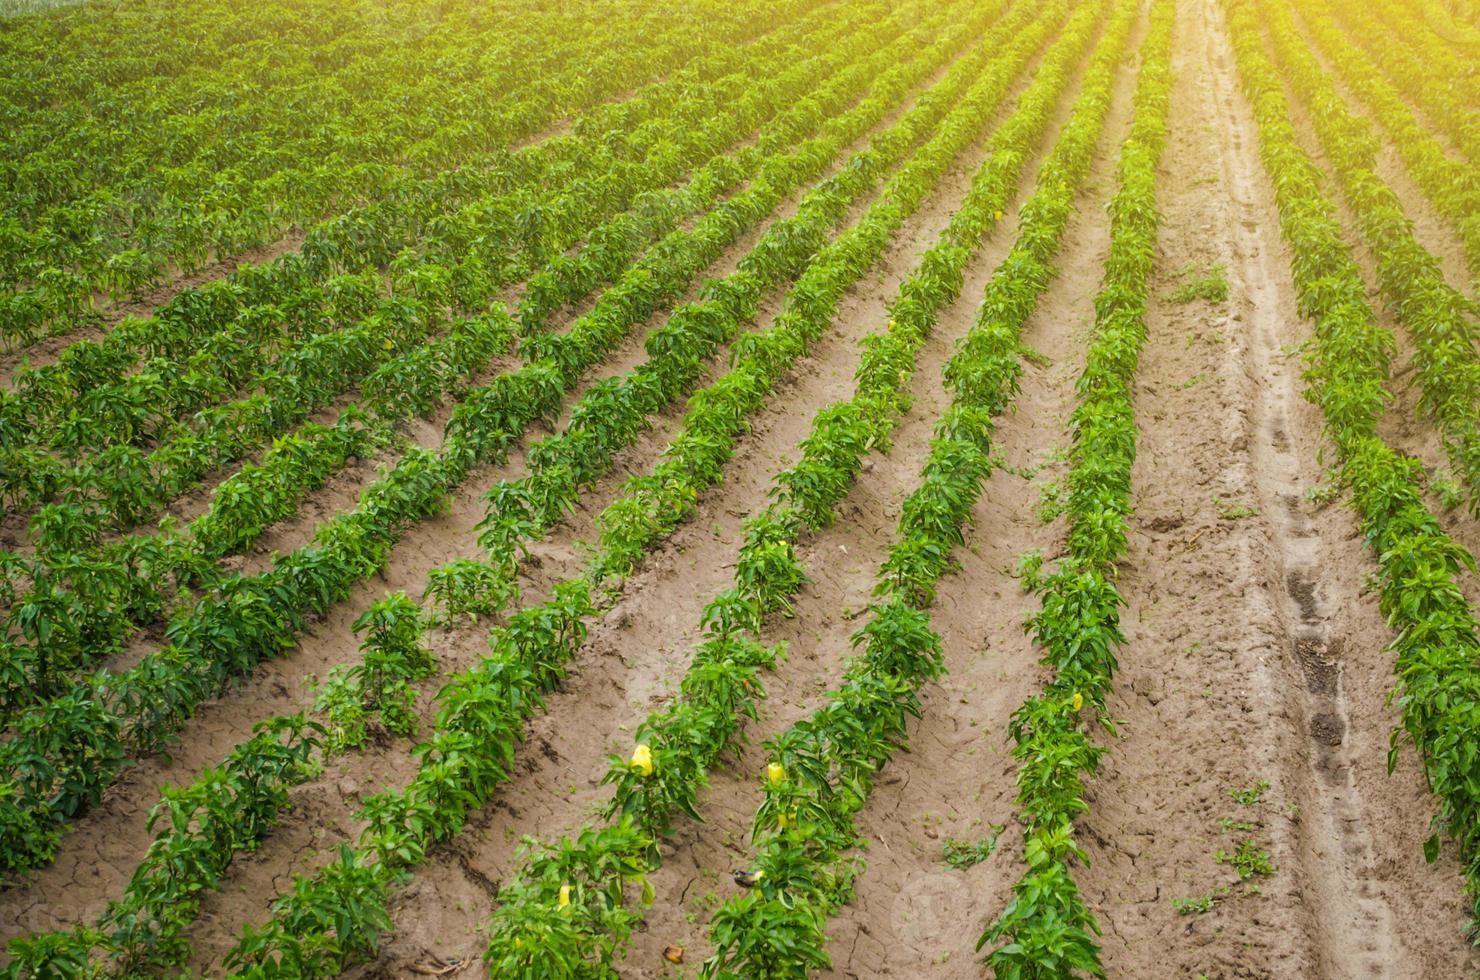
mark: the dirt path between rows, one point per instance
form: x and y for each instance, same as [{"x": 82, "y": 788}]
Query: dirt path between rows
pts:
[
  {"x": 1255, "y": 655},
  {"x": 913, "y": 915}
]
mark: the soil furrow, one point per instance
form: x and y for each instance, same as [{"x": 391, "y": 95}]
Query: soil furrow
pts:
[
  {"x": 1255, "y": 664},
  {"x": 912, "y": 914}
]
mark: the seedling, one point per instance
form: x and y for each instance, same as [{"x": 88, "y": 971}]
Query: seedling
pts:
[
  {"x": 1322, "y": 494},
  {"x": 1200, "y": 904},
  {"x": 1233, "y": 510},
  {"x": 1030, "y": 570},
  {"x": 1211, "y": 285},
  {"x": 1050, "y": 502},
  {"x": 1035, "y": 358},
  {"x": 1250, "y": 794},
  {"x": 1450, "y": 494},
  {"x": 1247, "y": 860}
]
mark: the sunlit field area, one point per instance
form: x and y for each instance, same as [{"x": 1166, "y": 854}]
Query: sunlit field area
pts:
[{"x": 710, "y": 488}]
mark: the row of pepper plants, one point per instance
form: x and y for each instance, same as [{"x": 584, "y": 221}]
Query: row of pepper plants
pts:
[
  {"x": 462, "y": 264},
  {"x": 557, "y": 909},
  {"x": 372, "y": 235},
  {"x": 77, "y": 612},
  {"x": 200, "y": 58},
  {"x": 1442, "y": 323},
  {"x": 1408, "y": 63},
  {"x": 206, "y": 52},
  {"x": 86, "y": 215},
  {"x": 1047, "y": 930},
  {"x": 65, "y": 753},
  {"x": 1451, "y": 21},
  {"x": 1436, "y": 643},
  {"x": 1452, "y": 186},
  {"x": 825, "y": 764},
  {"x": 615, "y": 411},
  {"x": 64, "y": 614},
  {"x": 87, "y": 596},
  {"x": 92, "y": 399},
  {"x": 125, "y": 238},
  {"x": 613, "y": 243},
  {"x": 1450, "y": 46},
  {"x": 483, "y": 712},
  {"x": 132, "y": 486},
  {"x": 232, "y": 808}
]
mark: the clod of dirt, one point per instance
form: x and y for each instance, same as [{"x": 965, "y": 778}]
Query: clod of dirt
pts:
[
  {"x": 1151, "y": 688},
  {"x": 1318, "y": 662},
  {"x": 1165, "y": 523},
  {"x": 1327, "y": 729}
]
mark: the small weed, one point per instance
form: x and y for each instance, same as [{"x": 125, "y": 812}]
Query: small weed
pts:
[
  {"x": 1193, "y": 906},
  {"x": 1200, "y": 904},
  {"x": 1030, "y": 570},
  {"x": 1323, "y": 494},
  {"x": 1192, "y": 382},
  {"x": 1250, "y": 794},
  {"x": 702, "y": 904},
  {"x": 999, "y": 462},
  {"x": 962, "y": 854},
  {"x": 1050, "y": 502},
  {"x": 1232, "y": 510},
  {"x": 1211, "y": 285},
  {"x": 1247, "y": 860},
  {"x": 1449, "y": 492},
  {"x": 1033, "y": 357},
  {"x": 1229, "y": 825}
]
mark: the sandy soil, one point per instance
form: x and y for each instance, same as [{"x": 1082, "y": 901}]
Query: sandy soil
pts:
[{"x": 1256, "y": 660}]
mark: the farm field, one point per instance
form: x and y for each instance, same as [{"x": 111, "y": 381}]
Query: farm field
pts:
[{"x": 833, "y": 488}]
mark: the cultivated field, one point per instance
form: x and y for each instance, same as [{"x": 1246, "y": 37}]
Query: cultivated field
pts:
[{"x": 837, "y": 488}]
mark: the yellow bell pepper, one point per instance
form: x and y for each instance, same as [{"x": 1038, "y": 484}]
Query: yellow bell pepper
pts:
[{"x": 642, "y": 760}]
